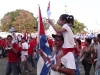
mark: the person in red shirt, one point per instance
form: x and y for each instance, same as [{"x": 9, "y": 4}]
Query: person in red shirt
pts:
[
  {"x": 78, "y": 46},
  {"x": 0, "y": 47},
  {"x": 3, "y": 47},
  {"x": 12, "y": 57},
  {"x": 76, "y": 54},
  {"x": 31, "y": 51}
]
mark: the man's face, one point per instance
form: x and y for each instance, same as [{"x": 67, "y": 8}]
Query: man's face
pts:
[
  {"x": 98, "y": 39},
  {"x": 58, "y": 41},
  {"x": 23, "y": 40},
  {"x": 9, "y": 39},
  {"x": 95, "y": 40}
]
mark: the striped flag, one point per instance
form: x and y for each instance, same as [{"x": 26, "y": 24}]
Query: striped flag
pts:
[
  {"x": 42, "y": 67},
  {"x": 48, "y": 10}
]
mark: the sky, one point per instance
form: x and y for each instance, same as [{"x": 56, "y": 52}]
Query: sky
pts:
[{"x": 85, "y": 11}]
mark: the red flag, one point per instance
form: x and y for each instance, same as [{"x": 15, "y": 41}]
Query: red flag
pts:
[
  {"x": 41, "y": 22},
  {"x": 48, "y": 8},
  {"x": 26, "y": 35},
  {"x": 40, "y": 26}
]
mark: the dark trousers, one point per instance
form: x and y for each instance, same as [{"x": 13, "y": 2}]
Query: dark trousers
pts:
[
  {"x": 87, "y": 67},
  {"x": 30, "y": 60},
  {"x": 12, "y": 68},
  {"x": 19, "y": 61},
  {"x": 3, "y": 53}
]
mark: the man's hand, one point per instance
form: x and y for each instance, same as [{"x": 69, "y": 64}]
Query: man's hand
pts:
[
  {"x": 53, "y": 67},
  {"x": 91, "y": 61},
  {"x": 40, "y": 52}
]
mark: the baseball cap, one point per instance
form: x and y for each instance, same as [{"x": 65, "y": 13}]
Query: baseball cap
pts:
[{"x": 58, "y": 35}]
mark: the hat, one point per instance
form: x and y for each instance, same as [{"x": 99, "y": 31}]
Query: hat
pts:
[{"x": 58, "y": 35}]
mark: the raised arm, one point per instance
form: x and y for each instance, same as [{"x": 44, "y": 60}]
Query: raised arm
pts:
[
  {"x": 55, "y": 28},
  {"x": 42, "y": 55}
]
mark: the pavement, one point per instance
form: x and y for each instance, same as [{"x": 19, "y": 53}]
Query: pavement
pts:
[{"x": 3, "y": 63}]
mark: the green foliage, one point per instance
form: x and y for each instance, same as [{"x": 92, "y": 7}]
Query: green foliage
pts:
[{"x": 21, "y": 20}]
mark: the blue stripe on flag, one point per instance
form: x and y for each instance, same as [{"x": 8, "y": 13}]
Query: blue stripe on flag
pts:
[
  {"x": 43, "y": 46},
  {"x": 47, "y": 51},
  {"x": 45, "y": 70}
]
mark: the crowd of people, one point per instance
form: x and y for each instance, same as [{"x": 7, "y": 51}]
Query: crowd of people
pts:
[{"x": 66, "y": 51}]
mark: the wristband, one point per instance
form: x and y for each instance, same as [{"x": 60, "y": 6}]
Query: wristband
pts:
[{"x": 57, "y": 68}]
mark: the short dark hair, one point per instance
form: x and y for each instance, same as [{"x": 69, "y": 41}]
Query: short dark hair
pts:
[
  {"x": 88, "y": 40},
  {"x": 79, "y": 41},
  {"x": 61, "y": 36},
  {"x": 98, "y": 35},
  {"x": 9, "y": 36}
]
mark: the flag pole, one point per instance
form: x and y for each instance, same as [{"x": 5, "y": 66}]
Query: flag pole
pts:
[{"x": 38, "y": 38}]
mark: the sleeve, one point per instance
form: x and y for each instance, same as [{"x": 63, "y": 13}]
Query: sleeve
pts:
[
  {"x": 69, "y": 61},
  {"x": 66, "y": 27}
]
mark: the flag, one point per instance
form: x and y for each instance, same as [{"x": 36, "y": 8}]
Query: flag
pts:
[
  {"x": 48, "y": 10},
  {"x": 42, "y": 67},
  {"x": 26, "y": 35}
]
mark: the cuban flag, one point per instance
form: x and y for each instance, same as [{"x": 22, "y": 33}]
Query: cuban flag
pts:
[
  {"x": 48, "y": 10},
  {"x": 42, "y": 67}
]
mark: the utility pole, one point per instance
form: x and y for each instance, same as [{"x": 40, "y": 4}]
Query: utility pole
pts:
[{"x": 66, "y": 12}]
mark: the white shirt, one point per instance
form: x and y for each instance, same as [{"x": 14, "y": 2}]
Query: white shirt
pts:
[
  {"x": 68, "y": 37},
  {"x": 68, "y": 61},
  {"x": 24, "y": 46}
]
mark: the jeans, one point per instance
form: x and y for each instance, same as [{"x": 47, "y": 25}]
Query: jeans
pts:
[
  {"x": 77, "y": 72},
  {"x": 30, "y": 60},
  {"x": 87, "y": 67},
  {"x": 12, "y": 67},
  {"x": 19, "y": 61}
]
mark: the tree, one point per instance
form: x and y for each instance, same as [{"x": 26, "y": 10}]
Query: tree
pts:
[
  {"x": 21, "y": 20},
  {"x": 77, "y": 27}
]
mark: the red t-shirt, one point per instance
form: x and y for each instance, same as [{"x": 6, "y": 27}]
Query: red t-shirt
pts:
[
  {"x": 0, "y": 41},
  {"x": 76, "y": 52},
  {"x": 3, "y": 44},
  {"x": 13, "y": 57},
  {"x": 31, "y": 46}
]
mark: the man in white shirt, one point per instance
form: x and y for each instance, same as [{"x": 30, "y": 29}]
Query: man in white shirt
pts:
[
  {"x": 24, "y": 55},
  {"x": 67, "y": 61}
]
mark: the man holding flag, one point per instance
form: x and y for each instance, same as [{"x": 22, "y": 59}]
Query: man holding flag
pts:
[{"x": 42, "y": 68}]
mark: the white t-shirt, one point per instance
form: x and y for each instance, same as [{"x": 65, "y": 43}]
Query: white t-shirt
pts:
[
  {"x": 68, "y": 37},
  {"x": 68, "y": 61},
  {"x": 24, "y": 46}
]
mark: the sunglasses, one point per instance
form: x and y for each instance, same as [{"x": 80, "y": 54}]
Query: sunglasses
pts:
[{"x": 57, "y": 38}]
